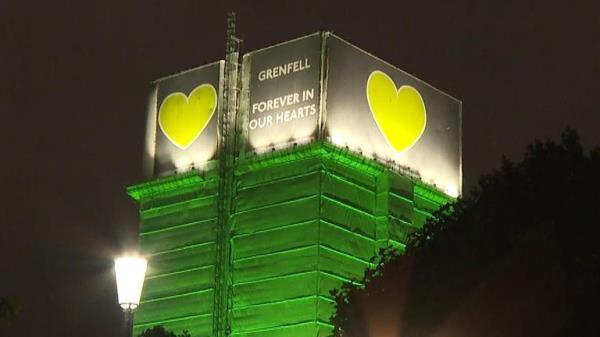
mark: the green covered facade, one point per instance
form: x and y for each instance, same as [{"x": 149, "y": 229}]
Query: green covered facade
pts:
[{"x": 301, "y": 222}]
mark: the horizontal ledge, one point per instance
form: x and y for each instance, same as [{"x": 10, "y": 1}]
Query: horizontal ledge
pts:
[
  {"x": 183, "y": 271},
  {"x": 175, "y": 227},
  {"x": 170, "y": 297}
]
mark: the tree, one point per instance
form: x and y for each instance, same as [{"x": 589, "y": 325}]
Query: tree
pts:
[
  {"x": 518, "y": 257},
  {"x": 159, "y": 331},
  {"x": 8, "y": 309}
]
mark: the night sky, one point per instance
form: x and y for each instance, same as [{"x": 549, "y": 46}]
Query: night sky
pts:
[{"x": 74, "y": 79}]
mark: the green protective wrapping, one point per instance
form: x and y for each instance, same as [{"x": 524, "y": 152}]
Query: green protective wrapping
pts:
[
  {"x": 178, "y": 235},
  {"x": 255, "y": 196},
  {"x": 303, "y": 222},
  {"x": 188, "y": 281},
  {"x": 284, "y": 238},
  {"x": 195, "y": 232},
  {"x": 190, "y": 304},
  {"x": 346, "y": 242},
  {"x": 316, "y": 329}
]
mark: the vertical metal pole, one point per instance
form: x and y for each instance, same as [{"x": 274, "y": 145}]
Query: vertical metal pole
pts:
[{"x": 128, "y": 322}]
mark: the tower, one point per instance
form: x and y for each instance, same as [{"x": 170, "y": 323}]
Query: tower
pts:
[{"x": 282, "y": 181}]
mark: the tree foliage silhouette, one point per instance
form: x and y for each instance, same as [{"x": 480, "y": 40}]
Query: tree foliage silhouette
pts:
[
  {"x": 520, "y": 256},
  {"x": 8, "y": 309},
  {"x": 160, "y": 331}
]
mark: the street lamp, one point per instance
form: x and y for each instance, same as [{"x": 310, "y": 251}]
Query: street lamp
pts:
[{"x": 130, "y": 271}]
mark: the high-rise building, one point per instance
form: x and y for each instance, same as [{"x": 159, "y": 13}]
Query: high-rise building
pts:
[{"x": 278, "y": 178}]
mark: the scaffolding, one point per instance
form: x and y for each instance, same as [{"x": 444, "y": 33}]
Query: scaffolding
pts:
[{"x": 226, "y": 164}]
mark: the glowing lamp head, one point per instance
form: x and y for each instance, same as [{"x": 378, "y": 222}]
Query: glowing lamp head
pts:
[{"x": 130, "y": 272}]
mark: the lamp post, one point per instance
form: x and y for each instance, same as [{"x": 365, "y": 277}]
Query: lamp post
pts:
[{"x": 130, "y": 271}]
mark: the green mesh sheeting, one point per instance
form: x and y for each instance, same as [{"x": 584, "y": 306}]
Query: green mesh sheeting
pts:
[
  {"x": 178, "y": 234},
  {"x": 303, "y": 221}
]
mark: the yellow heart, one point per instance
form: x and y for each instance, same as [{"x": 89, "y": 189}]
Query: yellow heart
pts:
[
  {"x": 183, "y": 118},
  {"x": 399, "y": 113}
]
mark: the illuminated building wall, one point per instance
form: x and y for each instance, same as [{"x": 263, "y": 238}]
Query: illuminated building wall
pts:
[
  {"x": 267, "y": 205},
  {"x": 304, "y": 220},
  {"x": 178, "y": 233}
]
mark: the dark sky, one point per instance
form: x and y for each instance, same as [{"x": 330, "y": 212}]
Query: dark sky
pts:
[{"x": 74, "y": 79}]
